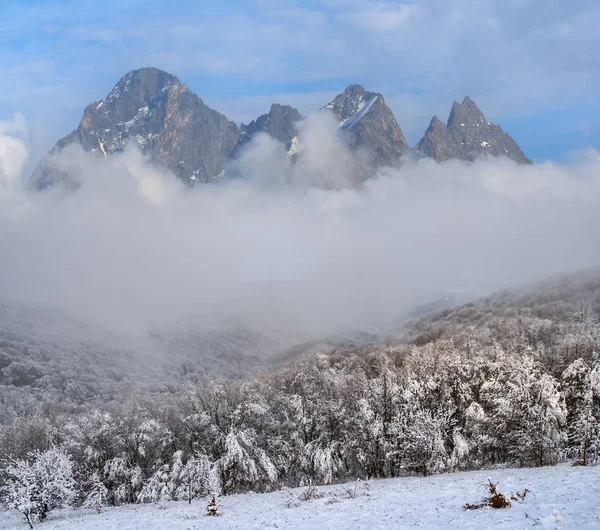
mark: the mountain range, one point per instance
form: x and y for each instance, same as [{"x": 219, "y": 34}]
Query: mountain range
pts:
[{"x": 155, "y": 111}]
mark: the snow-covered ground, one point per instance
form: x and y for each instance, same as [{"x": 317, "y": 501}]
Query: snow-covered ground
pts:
[{"x": 561, "y": 497}]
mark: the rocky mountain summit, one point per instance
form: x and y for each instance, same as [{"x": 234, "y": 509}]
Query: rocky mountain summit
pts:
[
  {"x": 467, "y": 136},
  {"x": 370, "y": 124},
  {"x": 160, "y": 115},
  {"x": 280, "y": 123}
]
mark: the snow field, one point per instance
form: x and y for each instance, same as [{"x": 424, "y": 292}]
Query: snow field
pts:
[{"x": 562, "y": 497}]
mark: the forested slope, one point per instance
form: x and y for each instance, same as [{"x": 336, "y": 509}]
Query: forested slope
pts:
[{"x": 513, "y": 379}]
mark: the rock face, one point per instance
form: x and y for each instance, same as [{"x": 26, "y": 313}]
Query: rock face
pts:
[
  {"x": 158, "y": 113},
  {"x": 467, "y": 136},
  {"x": 369, "y": 123},
  {"x": 280, "y": 123}
]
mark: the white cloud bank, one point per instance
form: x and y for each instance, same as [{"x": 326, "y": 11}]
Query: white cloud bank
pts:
[
  {"x": 289, "y": 247},
  {"x": 13, "y": 151}
]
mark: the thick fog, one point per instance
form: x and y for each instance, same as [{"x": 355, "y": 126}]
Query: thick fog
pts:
[{"x": 293, "y": 246}]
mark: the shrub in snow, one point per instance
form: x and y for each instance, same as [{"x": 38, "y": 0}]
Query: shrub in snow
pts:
[
  {"x": 351, "y": 491},
  {"x": 496, "y": 499},
  {"x": 310, "y": 493},
  {"x": 212, "y": 509},
  {"x": 39, "y": 484},
  {"x": 291, "y": 500}
]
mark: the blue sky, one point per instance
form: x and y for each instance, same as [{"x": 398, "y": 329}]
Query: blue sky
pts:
[{"x": 532, "y": 66}]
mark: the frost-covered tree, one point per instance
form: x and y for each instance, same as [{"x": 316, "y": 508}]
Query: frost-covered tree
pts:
[
  {"x": 244, "y": 464},
  {"x": 581, "y": 419},
  {"x": 97, "y": 496},
  {"x": 24, "y": 435},
  {"x": 122, "y": 480},
  {"x": 196, "y": 478},
  {"x": 371, "y": 404},
  {"x": 181, "y": 480},
  {"x": 39, "y": 484},
  {"x": 321, "y": 462},
  {"x": 422, "y": 439},
  {"x": 526, "y": 413},
  {"x": 547, "y": 416},
  {"x": 158, "y": 487},
  {"x": 460, "y": 451}
]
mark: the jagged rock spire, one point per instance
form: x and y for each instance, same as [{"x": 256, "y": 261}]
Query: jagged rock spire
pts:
[
  {"x": 369, "y": 124},
  {"x": 467, "y": 136}
]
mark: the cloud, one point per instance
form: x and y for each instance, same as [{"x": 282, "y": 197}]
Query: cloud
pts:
[
  {"x": 13, "y": 155},
  {"x": 293, "y": 248},
  {"x": 154, "y": 185},
  {"x": 324, "y": 159},
  {"x": 13, "y": 150},
  {"x": 91, "y": 33},
  {"x": 382, "y": 17},
  {"x": 15, "y": 127}
]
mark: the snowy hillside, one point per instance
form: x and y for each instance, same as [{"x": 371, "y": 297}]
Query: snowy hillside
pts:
[{"x": 560, "y": 497}]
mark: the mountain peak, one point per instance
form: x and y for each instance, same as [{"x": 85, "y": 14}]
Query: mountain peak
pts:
[
  {"x": 465, "y": 112},
  {"x": 368, "y": 123},
  {"x": 280, "y": 123},
  {"x": 147, "y": 70},
  {"x": 146, "y": 74},
  {"x": 435, "y": 123},
  {"x": 279, "y": 108},
  {"x": 134, "y": 91},
  {"x": 354, "y": 89},
  {"x": 349, "y": 102},
  {"x": 466, "y": 102},
  {"x": 467, "y": 136},
  {"x": 150, "y": 108},
  {"x": 150, "y": 79}
]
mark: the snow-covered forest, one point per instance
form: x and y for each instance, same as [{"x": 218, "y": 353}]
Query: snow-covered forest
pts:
[{"x": 512, "y": 379}]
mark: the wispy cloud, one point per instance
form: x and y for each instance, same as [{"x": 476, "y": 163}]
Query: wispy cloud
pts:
[
  {"x": 91, "y": 33},
  {"x": 381, "y": 17}
]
